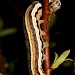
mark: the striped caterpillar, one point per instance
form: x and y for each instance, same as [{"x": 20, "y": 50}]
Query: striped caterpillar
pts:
[{"x": 33, "y": 33}]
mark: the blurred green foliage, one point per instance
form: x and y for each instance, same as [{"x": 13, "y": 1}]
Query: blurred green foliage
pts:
[
  {"x": 59, "y": 60},
  {"x": 5, "y": 32},
  {"x": 1, "y": 74},
  {"x": 10, "y": 65},
  {"x": 67, "y": 64},
  {"x": 8, "y": 31}
]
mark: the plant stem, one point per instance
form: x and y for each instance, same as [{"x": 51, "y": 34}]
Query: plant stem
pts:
[
  {"x": 46, "y": 38},
  {"x": 45, "y": 14}
]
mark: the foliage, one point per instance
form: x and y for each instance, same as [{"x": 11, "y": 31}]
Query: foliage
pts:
[
  {"x": 60, "y": 59},
  {"x": 1, "y": 74},
  {"x": 5, "y": 32}
]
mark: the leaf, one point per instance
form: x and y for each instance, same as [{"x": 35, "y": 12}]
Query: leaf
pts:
[
  {"x": 1, "y": 74},
  {"x": 60, "y": 60},
  {"x": 67, "y": 64},
  {"x": 68, "y": 59},
  {"x": 7, "y": 31},
  {"x": 56, "y": 56}
]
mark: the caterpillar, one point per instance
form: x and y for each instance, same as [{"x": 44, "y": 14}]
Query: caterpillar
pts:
[{"x": 33, "y": 32}]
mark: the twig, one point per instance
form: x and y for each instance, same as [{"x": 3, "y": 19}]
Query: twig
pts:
[{"x": 46, "y": 37}]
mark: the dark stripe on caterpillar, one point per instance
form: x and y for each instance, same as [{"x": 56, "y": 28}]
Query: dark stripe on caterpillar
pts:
[{"x": 35, "y": 40}]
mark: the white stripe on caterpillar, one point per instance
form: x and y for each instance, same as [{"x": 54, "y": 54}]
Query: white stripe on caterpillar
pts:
[
  {"x": 37, "y": 37},
  {"x": 31, "y": 28}
]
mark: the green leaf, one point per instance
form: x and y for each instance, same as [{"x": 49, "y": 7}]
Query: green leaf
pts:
[
  {"x": 1, "y": 74},
  {"x": 56, "y": 56},
  {"x": 67, "y": 64},
  {"x": 68, "y": 59},
  {"x": 60, "y": 60},
  {"x": 7, "y": 31}
]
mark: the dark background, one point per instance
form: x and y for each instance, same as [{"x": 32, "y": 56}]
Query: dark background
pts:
[{"x": 13, "y": 46}]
